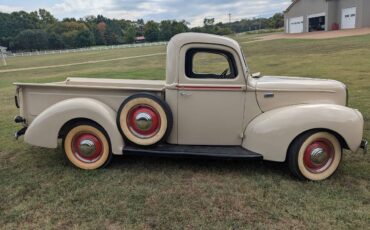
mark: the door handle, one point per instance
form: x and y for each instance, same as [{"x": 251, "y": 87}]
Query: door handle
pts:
[
  {"x": 182, "y": 93},
  {"x": 269, "y": 95}
]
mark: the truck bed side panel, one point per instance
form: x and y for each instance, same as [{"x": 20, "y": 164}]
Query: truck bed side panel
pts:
[{"x": 37, "y": 98}]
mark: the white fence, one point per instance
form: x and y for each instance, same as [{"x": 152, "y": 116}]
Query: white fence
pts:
[{"x": 95, "y": 48}]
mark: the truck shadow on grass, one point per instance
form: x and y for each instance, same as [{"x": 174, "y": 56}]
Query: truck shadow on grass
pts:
[
  {"x": 45, "y": 159},
  {"x": 200, "y": 164},
  {"x": 168, "y": 165}
]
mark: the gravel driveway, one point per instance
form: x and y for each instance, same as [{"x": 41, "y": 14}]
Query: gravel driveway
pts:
[{"x": 319, "y": 35}]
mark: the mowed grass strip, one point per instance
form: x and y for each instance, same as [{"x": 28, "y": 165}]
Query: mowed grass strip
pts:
[
  {"x": 77, "y": 57},
  {"x": 39, "y": 189},
  {"x": 81, "y": 63}
]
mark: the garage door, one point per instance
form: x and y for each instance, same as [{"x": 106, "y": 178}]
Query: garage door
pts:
[
  {"x": 348, "y": 18},
  {"x": 296, "y": 25},
  {"x": 316, "y": 22}
]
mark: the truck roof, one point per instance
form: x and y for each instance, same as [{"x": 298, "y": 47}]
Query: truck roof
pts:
[{"x": 182, "y": 39}]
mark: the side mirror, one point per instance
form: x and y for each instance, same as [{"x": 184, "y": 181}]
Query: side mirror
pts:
[{"x": 257, "y": 75}]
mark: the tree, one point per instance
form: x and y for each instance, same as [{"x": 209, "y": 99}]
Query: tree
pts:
[
  {"x": 69, "y": 20},
  {"x": 209, "y": 26},
  {"x": 276, "y": 21},
  {"x": 6, "y": 33},
  {"x": 101, "y": 27},
  {"x": 140, "y": 27},
  {"x": 12, "y": 24},
  {"x": 67, "y": 26},
  {"x": 169, "y": 28},
  {"x": 55, "y": 41},
  {"x": 129, "y": 35},
  {"x": 31, "y": 40},
  {"x": 151, "y": 31},
  {"x": 179, "y": 27},
  {"x": 114, "y": 33},
  {"x": 69, "y": 39},
  {"x": 209, "y": 22},
  {"x": 101, "y": 18},
  {"x": 41, "y": 30},
  {"x": 85, "y": 38},
  {"x": 197, "y": 29},
  {"x": 223, "y": 30},
  {"x": 165, "y": 30},
  {"x": 46, "y": 18},
  {"x": 69, "y": 29}
]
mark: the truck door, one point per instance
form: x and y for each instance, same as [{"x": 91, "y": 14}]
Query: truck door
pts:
[{"x": 211, "y": 95}]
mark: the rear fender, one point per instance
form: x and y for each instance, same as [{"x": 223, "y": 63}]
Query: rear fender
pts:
[
  {"x": 44, "y": 129},
  {"x": 271, "y": 133}
]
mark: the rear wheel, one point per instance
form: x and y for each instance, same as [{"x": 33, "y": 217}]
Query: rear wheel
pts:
[
  {"x": 87, "y": 145},
  {"x": 314, "y": 155}
]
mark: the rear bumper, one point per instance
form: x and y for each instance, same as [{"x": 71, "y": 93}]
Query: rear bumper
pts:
[
  {"x": 364, "y": 145},
  {"x": 20, "y": 132}
]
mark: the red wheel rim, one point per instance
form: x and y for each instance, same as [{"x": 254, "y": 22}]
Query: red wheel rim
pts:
[
  {"x": 87, "y": 147},
  {"x": 143, "y": 121},
  {"x": 319, "y": 155}
]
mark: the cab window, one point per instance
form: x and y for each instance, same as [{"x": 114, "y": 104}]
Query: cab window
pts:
[{"x": 210, "y": 63}]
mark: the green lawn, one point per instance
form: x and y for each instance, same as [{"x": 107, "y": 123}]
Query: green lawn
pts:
[{"x": 40, "y": 189}]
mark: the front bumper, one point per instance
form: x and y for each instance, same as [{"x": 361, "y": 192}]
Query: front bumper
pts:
[{"x": 364, "y": 145}]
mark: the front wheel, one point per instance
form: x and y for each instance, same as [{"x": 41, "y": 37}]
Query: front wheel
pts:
[
  {"x": 87, "y": 145},
  {"x": 314, "y": 155}
]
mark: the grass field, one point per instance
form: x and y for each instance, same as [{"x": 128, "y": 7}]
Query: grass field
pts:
[{"x": 40, "y": 189}]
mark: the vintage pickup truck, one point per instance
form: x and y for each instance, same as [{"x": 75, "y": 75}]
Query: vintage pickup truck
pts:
[{"x": 210, "y": 105}]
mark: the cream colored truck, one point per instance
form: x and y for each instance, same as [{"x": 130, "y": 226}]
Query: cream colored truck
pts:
[{"x": 210, "y": 105}]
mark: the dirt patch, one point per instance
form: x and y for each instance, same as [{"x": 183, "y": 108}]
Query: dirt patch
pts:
[{"x": 319, "y": 35}]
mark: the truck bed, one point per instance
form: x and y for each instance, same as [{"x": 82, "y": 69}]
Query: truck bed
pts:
[
  {"x": 35, "y": 98},
  {"x": 152, "y": 85}
]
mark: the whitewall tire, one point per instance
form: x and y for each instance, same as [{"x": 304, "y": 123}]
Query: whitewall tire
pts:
[
  {"x": 315, "y": 155},
  {"x": 144, "y": 119},
  {"x": 87, "y": 146}
]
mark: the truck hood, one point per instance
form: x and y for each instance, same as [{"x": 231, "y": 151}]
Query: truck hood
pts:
[{"x": 274, "y": 92}]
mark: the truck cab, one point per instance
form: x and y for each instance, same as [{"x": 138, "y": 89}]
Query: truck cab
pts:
[{"x": 207, "y": 81}]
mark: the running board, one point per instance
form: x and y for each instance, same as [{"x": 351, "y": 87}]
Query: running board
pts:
[{"x": 226, "y": 152}]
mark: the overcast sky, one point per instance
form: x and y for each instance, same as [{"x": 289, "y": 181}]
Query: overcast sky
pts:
[{"x": 189, "y": 10}]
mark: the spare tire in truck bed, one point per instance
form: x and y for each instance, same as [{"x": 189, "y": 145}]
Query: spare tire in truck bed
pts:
[{"x": 144, "y": 119}]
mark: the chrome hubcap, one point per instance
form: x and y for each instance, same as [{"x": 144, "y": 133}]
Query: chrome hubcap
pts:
[
  {"x": 87, "y": 147},
  {"x": 143, "y": 121},
  {"x": 318, "y": 156}
]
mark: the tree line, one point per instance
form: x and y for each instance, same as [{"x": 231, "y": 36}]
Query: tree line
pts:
[{"x": 40, "y": 30}]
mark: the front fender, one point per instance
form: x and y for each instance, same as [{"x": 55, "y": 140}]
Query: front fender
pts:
[
  {"x": 45, "y": 128},
  {"x": 271, "y": 133}
]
